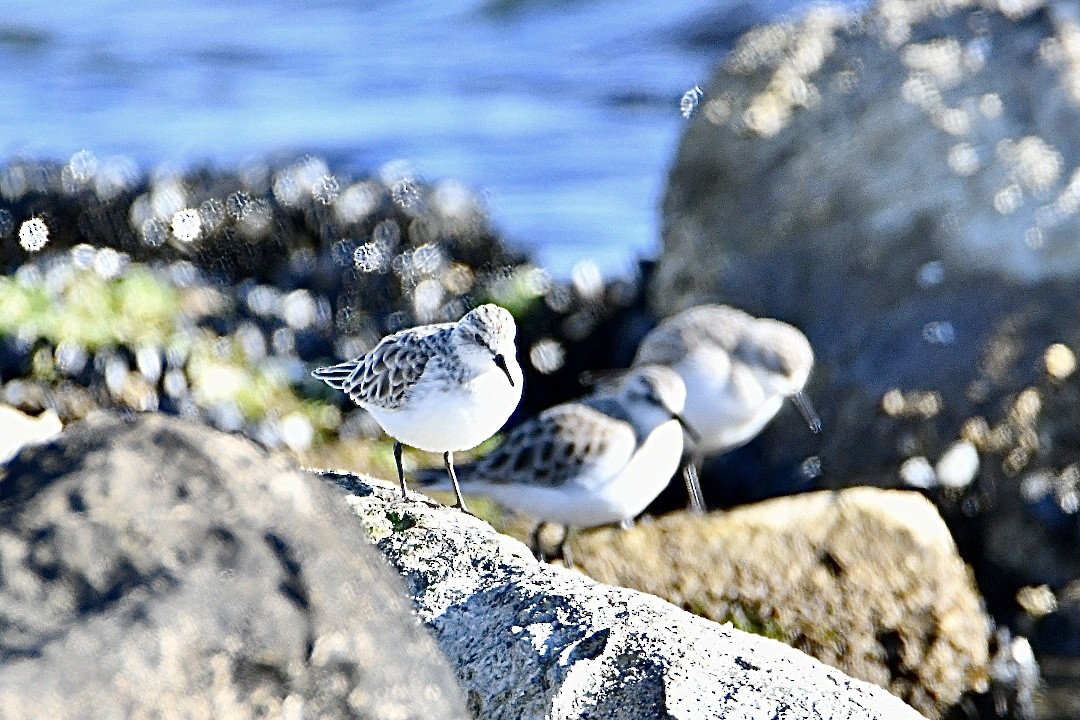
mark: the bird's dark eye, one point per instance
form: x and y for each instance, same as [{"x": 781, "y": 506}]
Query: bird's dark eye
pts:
[{"x": 478, "y": 338}]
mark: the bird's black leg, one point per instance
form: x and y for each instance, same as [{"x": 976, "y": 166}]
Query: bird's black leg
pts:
[
  {"x": 400, "y": 470},
  {"x": 448, "y": 460}
]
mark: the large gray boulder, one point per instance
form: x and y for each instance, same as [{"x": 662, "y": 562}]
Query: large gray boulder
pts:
[
  {"x": 873, "y": 144},
  {"x": 529, "y": 640},
  {"x": 157, "y": 568},
  {"x": 903, "y": 184}
]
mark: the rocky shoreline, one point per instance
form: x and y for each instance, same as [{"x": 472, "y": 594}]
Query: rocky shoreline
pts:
[
  {"x": 942, "y": 367},
  {"x": 155, "y": 563},
  {"x": 197, "y": 329}
]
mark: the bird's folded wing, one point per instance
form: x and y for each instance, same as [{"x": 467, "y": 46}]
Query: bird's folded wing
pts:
[
  {"x": 567, "y": 443},
  {"x": 387, "y": 372}
]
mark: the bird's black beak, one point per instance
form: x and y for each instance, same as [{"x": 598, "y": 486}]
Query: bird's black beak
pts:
[
  {"x": 501, "y": 362},
  {"x": 807, "y": 411},
  {"x": 686, "y": 428}
]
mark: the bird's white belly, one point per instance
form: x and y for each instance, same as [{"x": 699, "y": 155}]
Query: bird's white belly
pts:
[
  {"x": 440, "y": 417},
  {"x": 725, "y": 410},
  {"x": 590, "y": 501}
]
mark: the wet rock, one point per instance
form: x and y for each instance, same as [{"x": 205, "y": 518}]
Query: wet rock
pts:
[
  {"x": 865, "y": 580},
  {"x": 531, "y": 640},
  {"x": 281, "y": 221},
  {"x": 158, "y": 564}
]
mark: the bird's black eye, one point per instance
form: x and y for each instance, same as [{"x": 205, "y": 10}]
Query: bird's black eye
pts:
[{"x": 478, "y": 338}]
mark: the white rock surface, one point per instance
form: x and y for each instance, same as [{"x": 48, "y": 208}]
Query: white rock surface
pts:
[{"x": 529, "y": 640}]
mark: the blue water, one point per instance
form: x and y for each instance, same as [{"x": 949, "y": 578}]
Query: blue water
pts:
[{"x": 563, "y": 113}]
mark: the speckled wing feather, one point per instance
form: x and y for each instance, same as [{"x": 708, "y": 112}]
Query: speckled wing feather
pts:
[
  {"x": 552, "y": 448},
  {"x": 383, "y": 376}
]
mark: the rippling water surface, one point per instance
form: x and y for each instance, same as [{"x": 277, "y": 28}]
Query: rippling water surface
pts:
[{"x": 565, "y": 113}]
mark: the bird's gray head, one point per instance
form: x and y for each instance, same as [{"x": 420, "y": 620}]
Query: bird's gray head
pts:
[
  {"x": 486, "y": 334},
  {"x": 782, "y": 358},
  {"x": 654, "y": 385},
  {"x": 780, "y": 355},
  {"x": 655, "y": 392}
]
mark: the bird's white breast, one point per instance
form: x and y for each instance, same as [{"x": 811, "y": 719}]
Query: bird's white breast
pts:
[
  {"x": 726, "y": 405},
  {"x": 442, "y": 415}
]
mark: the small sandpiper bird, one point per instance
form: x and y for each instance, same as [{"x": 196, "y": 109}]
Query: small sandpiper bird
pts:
[
  {"x": 597, "y": 460},
  {"x": 738, "y": 370},
  {"x": 441, "y": 388}
]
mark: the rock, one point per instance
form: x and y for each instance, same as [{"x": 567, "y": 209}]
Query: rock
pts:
[
  {"x": 155, "y": 564},
  {"x": 1017, "y": 680},
  {"x": 18, "y": 430},
  {"x": 875, "y": 144},
  {"x": 865, "y": 580},
  {"x": 277, "y": 220},
  {"x": 529, "y": 640},
  {"x": 896, "y": 185},
  {"x": 901, "y": 185}
]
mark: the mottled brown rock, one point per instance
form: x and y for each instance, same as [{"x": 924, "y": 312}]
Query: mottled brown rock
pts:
[{"x": 865, "y": 580}]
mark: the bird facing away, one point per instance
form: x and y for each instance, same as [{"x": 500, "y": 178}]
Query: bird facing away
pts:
[
  {"x": 593, "y": 461},
  {"x": 738, "y": 369},
  {"x": 441, "y": 388}
]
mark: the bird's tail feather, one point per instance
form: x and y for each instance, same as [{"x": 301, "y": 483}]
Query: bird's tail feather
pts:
[{"x": 336, "y": 376}]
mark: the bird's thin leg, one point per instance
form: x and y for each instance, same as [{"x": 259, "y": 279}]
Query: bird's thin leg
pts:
[
  {"x": 564, "y": 547},
  {"x": 693, "y": 483},
  {"x": 448, "y": 460},
  {"x": 400, "y": 470},
  {"x": 535, "y": 542}
]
